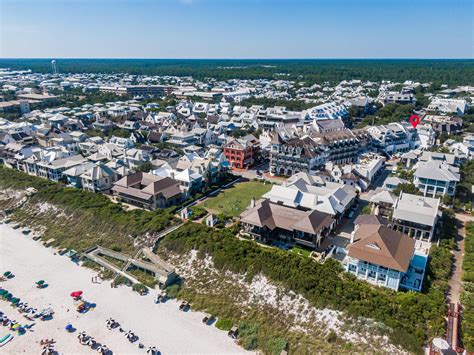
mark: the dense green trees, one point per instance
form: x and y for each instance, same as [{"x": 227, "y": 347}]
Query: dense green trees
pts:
[
  {"x": 456, "y": 72},
  {"x": 463, "y": 188},
  {"x": 467, "y": 298},
  {"x": 387, "y": 114}
]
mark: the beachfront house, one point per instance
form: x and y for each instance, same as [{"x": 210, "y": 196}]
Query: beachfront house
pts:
[
  {"x": 416, "y": 216},
  {"x": 383, "y": 256},
  {"x": 271, "y": 222},
  {"x": 147, "y": 190},
  {"x": 98, "y": 178},
  {"x": 308, "y": 192},
  {"x": 73, "y": 174},
  {"x": 51, "y": 164}
]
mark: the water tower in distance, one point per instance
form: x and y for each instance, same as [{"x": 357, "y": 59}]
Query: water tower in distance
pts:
[{"x": 54, "y": 66}]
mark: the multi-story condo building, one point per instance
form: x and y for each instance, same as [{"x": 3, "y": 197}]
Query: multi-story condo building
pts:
[
  {"x": 329, "y": 110},
  {"x": 294, "y": 156},
  {"x": 435, "y": 177},
  {"x": 393, "y": 138},
  {"x": 342, "y": 147},
  {"x": 449, "y": 106}
]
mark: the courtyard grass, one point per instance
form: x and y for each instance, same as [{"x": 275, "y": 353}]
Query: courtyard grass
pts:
[
  {"x": 301, "y": 251},
  {"x": 234, "y": 200}
]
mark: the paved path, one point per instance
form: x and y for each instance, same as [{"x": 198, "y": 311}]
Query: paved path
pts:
[
  {"x": 458, "y": 253},
  {"x": 164, "y": 233}
]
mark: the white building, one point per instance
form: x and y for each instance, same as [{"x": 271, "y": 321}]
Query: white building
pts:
[
  {"x": 435, "y": 177},
  {"x": 329, "y": 110},
  {"x": 416, "y": 215},
  {"x": 449, "y": 106}
]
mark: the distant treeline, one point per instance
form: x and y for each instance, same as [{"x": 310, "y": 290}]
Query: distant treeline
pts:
[{"x": 453, "y": 72}]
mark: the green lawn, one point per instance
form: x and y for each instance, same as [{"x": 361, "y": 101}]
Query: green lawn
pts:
[
  {"x": 300, "y": 251},
  {"x": 234, "y": 200}
]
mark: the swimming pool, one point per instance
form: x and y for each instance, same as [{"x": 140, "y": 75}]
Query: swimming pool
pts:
[
  {"x": 413, "y": 278},
  {"x": 419, "y": 261}
]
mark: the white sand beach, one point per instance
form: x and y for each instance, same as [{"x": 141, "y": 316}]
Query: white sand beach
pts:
[{"x": 160, "y": 325}]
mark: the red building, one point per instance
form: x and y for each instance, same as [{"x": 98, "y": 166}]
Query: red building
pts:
[{"x": 242, "y": 153}]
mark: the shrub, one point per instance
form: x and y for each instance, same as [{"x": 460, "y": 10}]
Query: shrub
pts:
[
  {"x": 332, "y": 337},
  {"x": 248, "y": 333},
  {"x": 172, "y": 291},
  {"x": 140, "y": 288},
  {"x": 366, "y": 210},
  {"x": 224, "y": 324},
  {"x": 276, "y": 345},
  {"x": 116, "y": 248},
  {"x": 121, "y": 280},
  {"x": 197, "y": 212},
  {"x": 467, "y": 297}
]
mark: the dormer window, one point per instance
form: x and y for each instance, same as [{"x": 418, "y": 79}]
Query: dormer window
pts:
[{"x": 373, "y": 246}]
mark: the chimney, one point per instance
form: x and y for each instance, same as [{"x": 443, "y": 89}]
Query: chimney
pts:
[
  {"x": 352, "y": 237},
  {"x": 253, "y": 202}
]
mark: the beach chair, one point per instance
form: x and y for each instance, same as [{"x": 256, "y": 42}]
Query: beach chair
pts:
[
  {"x": 208, "y": 318},
  {"x": 233, "y": 332},
  {"x": 184, "y": 306}
]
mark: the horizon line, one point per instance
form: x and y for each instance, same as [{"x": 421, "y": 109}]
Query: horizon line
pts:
[{"x": 220, "y": 58}]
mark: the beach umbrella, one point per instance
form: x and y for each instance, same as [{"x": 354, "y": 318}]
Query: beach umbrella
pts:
[
  {"x": 40, "y": 282},
  {"x": 3, "y": 292},
  {"x": 7, "y": 273},
  {"x": 8, "y": 296},
  {"x": 440, "y": 344},
  {"x": 15, "y": 300},
  {"x": 76, "y": 294}
]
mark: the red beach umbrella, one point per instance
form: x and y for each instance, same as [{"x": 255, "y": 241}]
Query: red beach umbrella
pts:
[{"x": 76, "y": 294}]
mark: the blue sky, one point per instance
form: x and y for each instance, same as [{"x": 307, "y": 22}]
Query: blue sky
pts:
[{"x": 237, "y": 28}]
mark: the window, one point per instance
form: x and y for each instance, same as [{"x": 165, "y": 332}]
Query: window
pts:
[{"x": 373, "y": 246}]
